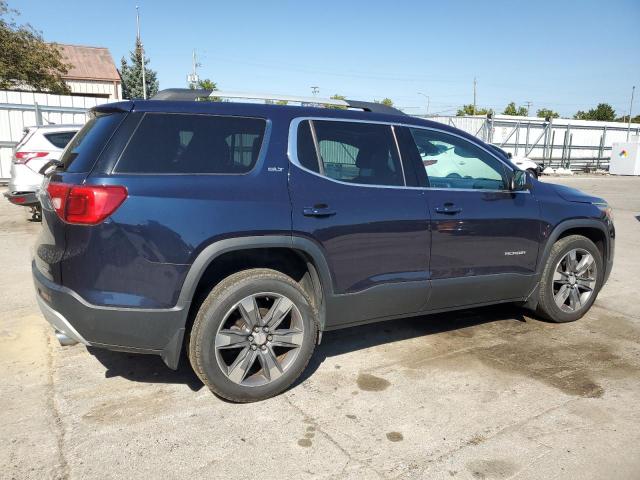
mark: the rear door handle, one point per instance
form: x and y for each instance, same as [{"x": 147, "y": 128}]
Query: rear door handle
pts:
[
  {"x": 448, "y": 209},
  {"x": 318, "y": 211}
]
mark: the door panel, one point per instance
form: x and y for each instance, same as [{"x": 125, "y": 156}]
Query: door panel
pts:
[
  {"x": 485, "y": 233},
  {"x": 374, "y": 237},
  {"x": 485, "y": 238}
]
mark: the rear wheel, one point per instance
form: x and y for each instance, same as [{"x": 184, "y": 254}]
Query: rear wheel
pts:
[
  {"x": 571, "y": 279},
  {"x": 253, "y": 335}
]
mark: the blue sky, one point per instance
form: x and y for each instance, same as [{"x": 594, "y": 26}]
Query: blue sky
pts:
[{"x": 566, "y": 55}]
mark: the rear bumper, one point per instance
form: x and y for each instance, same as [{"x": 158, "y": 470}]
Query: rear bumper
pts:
[
  {"x": 153, "y": 331},
  {"x": 24, "y": 199}
]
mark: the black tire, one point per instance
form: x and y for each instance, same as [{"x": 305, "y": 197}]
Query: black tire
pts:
[
  {"x": 533, "y": 172},
  {"x": 547, "y": 305},
  {"x": 222, "y": 299}
]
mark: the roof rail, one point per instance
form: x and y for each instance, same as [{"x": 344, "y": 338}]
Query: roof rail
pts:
[{"x": 187, "y": 94}]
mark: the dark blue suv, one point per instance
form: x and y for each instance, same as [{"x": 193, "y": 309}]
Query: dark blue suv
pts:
[{"x": 237, "y": 232}]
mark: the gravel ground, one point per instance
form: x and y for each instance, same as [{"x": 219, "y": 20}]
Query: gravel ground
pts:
[{"x": 486, "y": 393}]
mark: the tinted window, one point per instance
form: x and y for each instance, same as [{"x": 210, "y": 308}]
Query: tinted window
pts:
[
  {"x": 82, "y": 152},
  {"x": 180, "y": 143},
  {"x": 60, "y": 139},
  {"x": 452, "y": 162},
  {"x": 357, "y": 152}
]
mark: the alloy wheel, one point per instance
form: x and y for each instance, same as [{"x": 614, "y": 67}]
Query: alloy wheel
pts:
[
  {"x": 259, "y": 339},
  {"x": 574, "y": 280}
]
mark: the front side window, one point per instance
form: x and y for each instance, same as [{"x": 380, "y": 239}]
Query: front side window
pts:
[
  {"x": 350, "y": 152},
  {"x": 452, "y": 162},
  {"x": 169, "y": 143}
]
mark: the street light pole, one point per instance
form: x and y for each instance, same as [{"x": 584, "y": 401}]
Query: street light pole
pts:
[
  {"x": 428, "y": 100},
  {"x": 144, "y": 80},
  {"x": 633, "y": 90}
]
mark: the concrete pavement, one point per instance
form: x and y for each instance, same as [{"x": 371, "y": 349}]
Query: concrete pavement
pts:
[{"x": 490, "y": 393}]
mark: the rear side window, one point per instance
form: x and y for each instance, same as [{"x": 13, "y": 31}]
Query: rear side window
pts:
[
  {"x": 352, "y": 152},
  {"x": 59, "y": 139},
  {"x": 82, "y": 152},
  {"x": 168, "y": 143}
]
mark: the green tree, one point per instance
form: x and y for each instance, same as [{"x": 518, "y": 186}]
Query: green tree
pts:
[
  {"x": 603, "y": 112},
  {"x": 25, "y": 59},
  {"x": 511, "y": 109},
  {"x": 625, "y": 119},
  {"x": 206, "y": 84},
  {"x": 131, "y": 75},
  {"x": 469, "y": 110},
  {"x": 547, "y": 113},
  {"x": 385, "y": 101},
  {"x": 337, "y": 97}
]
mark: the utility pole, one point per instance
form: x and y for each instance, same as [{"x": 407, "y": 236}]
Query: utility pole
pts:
[
  {"x": 193, "y": 78},
  {"x": 528, "y": 103},
  {"x": 474, "y": 96},
  {"x": 633, "y": 90},
  {"x": 315, "y": 90},
  {"x": 144, "y": 79},
  {"x": 428, "y": 100}
]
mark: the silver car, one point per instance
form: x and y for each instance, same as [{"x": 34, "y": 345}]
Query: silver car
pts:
[{"x": 39, "y": 146}]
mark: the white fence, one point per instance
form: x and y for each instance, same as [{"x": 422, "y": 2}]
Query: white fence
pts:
[
  {"x": 25, "y": 109},
  {"x": 560, "y": 142},
  {"x": 570, "y": 143}
]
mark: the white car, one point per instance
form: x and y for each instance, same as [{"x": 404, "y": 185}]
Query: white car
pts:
[
  {"x": 39, "y": 146},
  {"x": 523, "y": 163}
]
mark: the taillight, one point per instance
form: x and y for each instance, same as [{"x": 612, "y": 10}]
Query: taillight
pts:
[
  {"x": 85, "y": 204},
  {"x": 24, "y": 157}
]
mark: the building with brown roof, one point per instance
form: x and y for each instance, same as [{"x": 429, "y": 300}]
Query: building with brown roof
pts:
[{"x": 92, "y": 72}]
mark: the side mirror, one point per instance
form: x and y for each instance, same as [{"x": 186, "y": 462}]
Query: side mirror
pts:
[{"x": 519, "y": 181}]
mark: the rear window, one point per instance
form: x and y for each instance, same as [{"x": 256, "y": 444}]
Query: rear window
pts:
[
  {"x": 60, "y": 139},
  {"x": 173, "y": 143},
  {"x": 82, "y": 152}
]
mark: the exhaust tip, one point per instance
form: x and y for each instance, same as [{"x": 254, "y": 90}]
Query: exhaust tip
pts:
[{"x": 64, "y": 340}]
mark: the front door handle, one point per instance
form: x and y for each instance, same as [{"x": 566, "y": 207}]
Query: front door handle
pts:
[
  {"x": 318, "y": 211},
  {"x": 448, "y": 209}
]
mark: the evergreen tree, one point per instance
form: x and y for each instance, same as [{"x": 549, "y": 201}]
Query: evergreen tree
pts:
[{"x": 131, "y": 75}]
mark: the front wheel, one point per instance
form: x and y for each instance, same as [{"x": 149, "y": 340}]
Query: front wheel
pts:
[
  {"x": 253, "y": 335},
  {"x": 571, "y": 279}
]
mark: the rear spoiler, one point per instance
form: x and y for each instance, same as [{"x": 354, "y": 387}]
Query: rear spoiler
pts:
[
  {"x": 187, "y": 94},
  {"x": 125, "y": 106}
]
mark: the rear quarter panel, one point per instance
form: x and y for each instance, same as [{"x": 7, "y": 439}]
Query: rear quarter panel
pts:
[{"x": 140, "y": 256}]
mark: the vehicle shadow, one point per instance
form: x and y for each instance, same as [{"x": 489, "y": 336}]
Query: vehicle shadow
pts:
[
  {"x": 145, "y": 368},
  {"x": 151, "y": 369},
  {"x": 338, "y": 342}
]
